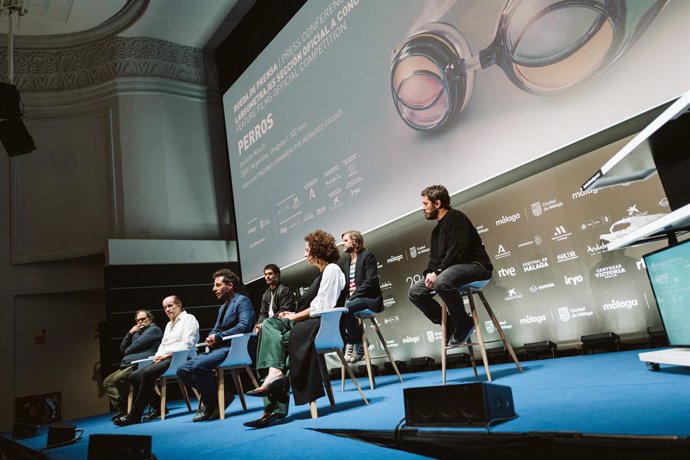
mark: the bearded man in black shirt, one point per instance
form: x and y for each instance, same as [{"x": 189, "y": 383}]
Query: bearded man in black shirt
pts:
[{"x": 457, "y": 257}]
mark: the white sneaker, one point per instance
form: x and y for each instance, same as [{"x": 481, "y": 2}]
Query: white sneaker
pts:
[
  {"x": 349, "y": 348},
  {"x": 357, "y": 353}
]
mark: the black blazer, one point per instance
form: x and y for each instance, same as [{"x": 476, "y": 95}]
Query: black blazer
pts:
[
  {"x": 366, "y": 278},
  {"x": 284, "y": 301}
]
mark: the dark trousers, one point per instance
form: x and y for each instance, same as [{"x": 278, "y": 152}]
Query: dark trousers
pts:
[
  {"x": 353, "y": 333},
  {"x": 198, "y": 373},
  {"x": 447, "y": 284},
  {"x": 144, "y": 382}
]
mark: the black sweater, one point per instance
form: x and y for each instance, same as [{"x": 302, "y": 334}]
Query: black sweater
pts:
[{"x": 456, "y": 241}]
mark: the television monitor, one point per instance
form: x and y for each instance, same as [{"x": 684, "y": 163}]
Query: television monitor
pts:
[{"x": 669, "y": 273}]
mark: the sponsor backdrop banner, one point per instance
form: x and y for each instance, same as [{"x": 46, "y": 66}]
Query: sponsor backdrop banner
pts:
[
  {"x": 552, "y": 280},
  {"x": 356, "y": 105}
]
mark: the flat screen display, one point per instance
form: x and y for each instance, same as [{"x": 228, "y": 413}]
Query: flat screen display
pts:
[
  {"x": 669, "y": 273},
  {"x": 356, "y": 106}
]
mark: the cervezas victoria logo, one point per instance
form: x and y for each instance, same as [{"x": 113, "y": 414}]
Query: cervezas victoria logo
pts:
[{"x": 611, "y": 271}]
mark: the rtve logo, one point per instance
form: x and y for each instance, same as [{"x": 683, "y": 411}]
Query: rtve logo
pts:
[{"x": 504, "y": 272}]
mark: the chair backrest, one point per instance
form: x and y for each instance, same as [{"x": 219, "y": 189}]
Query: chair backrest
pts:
[
  {"x": 178, "y": 359},
  {"x": 328, "y": 338},
  {"x": 239, "y": 351}
]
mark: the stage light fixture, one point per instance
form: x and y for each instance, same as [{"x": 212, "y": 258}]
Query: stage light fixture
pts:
[
  {"x": 657, "y": 337},
  {"x": 425, "y": 363},
  {"x": 542, "y": 349},
  {"x": 597, "y": 343}
]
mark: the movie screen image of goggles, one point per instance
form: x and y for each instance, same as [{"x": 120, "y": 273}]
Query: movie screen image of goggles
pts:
[{"x": 543, "y": 46}]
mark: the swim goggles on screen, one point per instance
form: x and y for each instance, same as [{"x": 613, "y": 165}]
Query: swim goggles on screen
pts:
[{"x": 543, "y": 46}]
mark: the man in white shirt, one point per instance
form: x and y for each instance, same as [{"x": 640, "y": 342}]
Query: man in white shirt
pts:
[{"x": 181, "y": 333}]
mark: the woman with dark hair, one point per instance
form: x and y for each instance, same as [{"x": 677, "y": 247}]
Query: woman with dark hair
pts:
[{"x": 292, "y": 335}]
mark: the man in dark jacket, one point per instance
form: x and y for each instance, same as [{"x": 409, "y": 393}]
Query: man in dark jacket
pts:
[
  {"x": 140, "y": 342},
  {"x": 457, "y": 257},
  {"x": 276, "y": 298},
  {"x": 363, "y": 290}
]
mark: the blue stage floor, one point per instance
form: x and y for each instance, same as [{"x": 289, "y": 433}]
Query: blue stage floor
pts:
[{"x": 611, "y": 393}]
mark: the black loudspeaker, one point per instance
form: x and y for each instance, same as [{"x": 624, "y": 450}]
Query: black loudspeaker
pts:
[
  {"x": 9, "y": 102},
  {"x": 24, "y": 430},
  {"x": 471, "y": 404},
  {"x": 16, "y": 138},
  {"x": 119, "y": 447},
  {"x": 61, "y": 433}
]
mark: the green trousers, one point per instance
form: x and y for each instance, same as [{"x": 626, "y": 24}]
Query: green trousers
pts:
[
  {"x": 116, "y": 386},
  {"x": 272, "y": 351}
]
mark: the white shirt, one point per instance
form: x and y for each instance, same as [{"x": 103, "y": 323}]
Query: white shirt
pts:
[
  {"x": 183, "y": 335},
  {"x": 332, "y": 283}
]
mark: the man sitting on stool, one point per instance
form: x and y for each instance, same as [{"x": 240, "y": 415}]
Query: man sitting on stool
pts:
[
  {"x": 363, "y": 290},
  {"x": 457, "y": 257},
  {"x": 235, "y": 316}
]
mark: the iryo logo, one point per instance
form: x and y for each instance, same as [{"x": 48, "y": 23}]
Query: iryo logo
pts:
[{"x": 573, "y": 280}]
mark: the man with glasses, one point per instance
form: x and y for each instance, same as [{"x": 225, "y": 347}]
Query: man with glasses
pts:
[
  {"x": 276, "y": 298},
  {"x": 140, "y": 342},
  {"x": 235, "y": 316},
  {"x": 457, "y": 257},
  {"x": 181, "y": 333}
]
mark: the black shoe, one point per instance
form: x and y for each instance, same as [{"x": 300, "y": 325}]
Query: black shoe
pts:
[
  {"x": 154, "y": 414},
  {"x": 463, "y": 334},
  {"x": 118, "y": 414},
  {"x": 266, "y": 420},
  {"x": 127, "y": 419},
  {"x": 206, "y": 413},
  {"x": 265, "y": 390}
]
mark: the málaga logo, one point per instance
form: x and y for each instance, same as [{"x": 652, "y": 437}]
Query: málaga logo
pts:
[{"x": 620, "y": 304}]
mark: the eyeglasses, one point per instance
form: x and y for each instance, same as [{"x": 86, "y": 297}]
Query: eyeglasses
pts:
[
  {"x": 543, "y": 46},
  {"x": 141, "y": 320}
]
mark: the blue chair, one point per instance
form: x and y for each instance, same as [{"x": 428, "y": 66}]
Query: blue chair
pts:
[
  {"x": 469, "y": 290},
  {"x": 361, "y": 317},
  {"x": 178, "y": 359},
  {"x": 238, "y": 358},
  {"x": 329, "y": 340}
]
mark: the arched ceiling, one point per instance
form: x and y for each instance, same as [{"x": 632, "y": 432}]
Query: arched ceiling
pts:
[{"x": 55, "y": 23}]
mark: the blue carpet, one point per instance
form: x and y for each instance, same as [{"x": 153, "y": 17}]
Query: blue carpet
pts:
[{"x": 611, "y": 393}]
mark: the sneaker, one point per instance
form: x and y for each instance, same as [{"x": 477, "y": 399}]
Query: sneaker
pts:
[
  {"x": 357, "y": 353},
  {"x": 463, "y": 333},
  {"x": 349, "y": 348}
]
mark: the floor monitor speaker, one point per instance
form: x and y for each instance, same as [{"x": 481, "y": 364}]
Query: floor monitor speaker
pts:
[
  {"x": 464, "y": 405},
  {"x": 119, "y": 447}
]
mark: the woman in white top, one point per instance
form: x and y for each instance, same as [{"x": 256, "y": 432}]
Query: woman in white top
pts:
[{"x": 326, "y": 291}]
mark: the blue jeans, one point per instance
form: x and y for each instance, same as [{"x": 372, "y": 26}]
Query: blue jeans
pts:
[{"x": 447, "y": 284}]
